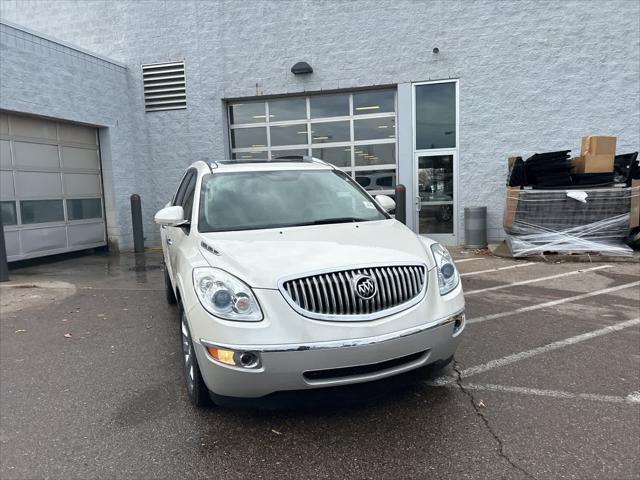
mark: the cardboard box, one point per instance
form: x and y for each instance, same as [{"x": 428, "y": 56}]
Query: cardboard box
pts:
[
  {"x": 596, "y": 155},
  {"x": 511, "y": 206}
]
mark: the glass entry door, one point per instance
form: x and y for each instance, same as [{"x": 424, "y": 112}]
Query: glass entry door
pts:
[
  {"x": 435, "y": 116},
  {"x": 435, "y": 199}
]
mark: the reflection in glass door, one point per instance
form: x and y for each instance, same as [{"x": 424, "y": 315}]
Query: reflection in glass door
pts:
[{"x": 435, "y": 199}]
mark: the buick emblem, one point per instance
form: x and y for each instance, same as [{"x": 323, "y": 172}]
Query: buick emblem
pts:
[{"x": 365, "y": 286}]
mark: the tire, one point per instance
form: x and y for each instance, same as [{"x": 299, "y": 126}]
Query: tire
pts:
[
  {"x": 196, "y": 389},
  {"x": 168, "y": 290}
]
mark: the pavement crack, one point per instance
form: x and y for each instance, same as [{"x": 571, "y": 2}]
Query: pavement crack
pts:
[{"x": 485, "y": 420}]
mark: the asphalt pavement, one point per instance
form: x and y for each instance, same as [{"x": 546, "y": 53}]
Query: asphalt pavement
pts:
[{"x": 546, "y": 385}]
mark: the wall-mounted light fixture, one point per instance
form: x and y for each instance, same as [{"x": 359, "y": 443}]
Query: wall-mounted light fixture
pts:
[{"x": 301, "y": 68}]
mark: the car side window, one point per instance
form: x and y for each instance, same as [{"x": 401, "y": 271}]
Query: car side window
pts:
[{"x": 179, "y": 197}]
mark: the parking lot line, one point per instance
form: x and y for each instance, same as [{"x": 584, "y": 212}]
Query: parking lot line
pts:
[
  {"x": 552, "y": 303},
  {"x": 490, "y": 270},
  {"x": 534, "y": 280},
  {"x": 468, "y": 259},
  {"x": 516, "y": 357},
  {"x": 631, "y": 398}
]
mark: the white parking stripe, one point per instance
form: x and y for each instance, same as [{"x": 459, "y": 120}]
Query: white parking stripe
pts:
[
  {"x": 468, "y": 259},
  {"x": 534, "y": 280},
  {"x": 552, "y": 303},
  {"x": 516, "y": 357},
  {"x": 520, "y": 265},
  {"x": 553, "y": 393}
]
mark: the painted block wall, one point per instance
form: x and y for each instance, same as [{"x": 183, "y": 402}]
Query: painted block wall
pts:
[
  {"x": 534, "y": 75},
  {"x": 39, "y": 76}
]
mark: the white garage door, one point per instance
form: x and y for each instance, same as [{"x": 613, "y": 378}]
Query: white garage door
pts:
[{"x": 50, "y": 187}]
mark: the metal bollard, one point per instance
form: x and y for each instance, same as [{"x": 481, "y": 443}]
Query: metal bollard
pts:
[
  {"x": 401, "y": 203},
  {"x": 136, "y": 222},
  {"x": 4, "y": 266},
  {"x": 475, "y": 227}
]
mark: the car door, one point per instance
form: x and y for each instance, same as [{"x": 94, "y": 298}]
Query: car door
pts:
[
  {"x": 178, "y": 235},
  {"x": 168, "y": 233}
]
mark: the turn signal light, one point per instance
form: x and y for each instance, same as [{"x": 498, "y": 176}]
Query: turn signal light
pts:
[{"x": 224, "y": 356}]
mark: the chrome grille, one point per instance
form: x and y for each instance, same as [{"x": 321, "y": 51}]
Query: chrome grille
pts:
[{"x": 333, "y": 295}]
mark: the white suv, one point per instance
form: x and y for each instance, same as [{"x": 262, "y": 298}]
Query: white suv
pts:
[{"x": 290, "y": 276}]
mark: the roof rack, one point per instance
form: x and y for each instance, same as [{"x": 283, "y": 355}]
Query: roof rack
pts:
[{"x": 284, "y": 159}]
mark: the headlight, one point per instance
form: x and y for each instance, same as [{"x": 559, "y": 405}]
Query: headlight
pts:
[
  {"x": 448, "y": 277},
  {"x": 225, "y": 296}
]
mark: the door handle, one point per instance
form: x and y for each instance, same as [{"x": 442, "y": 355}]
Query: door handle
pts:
[
  {"x": 418, "y": 204},
  {"x": 169, "y": 241}
]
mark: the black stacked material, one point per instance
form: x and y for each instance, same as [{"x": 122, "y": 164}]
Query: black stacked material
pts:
[
  {"x": 593, "y": 179},
  {"x": 517, "y": 177},
  {"x": 623, "y": 166},
  {"x": 552, "y": 169},
  {"x": 551, "y": 221}
]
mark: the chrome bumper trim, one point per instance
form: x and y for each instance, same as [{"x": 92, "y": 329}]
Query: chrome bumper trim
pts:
[{"x": 354, "y": 342}]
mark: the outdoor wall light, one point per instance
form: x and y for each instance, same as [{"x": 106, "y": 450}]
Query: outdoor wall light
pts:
[
  {"x": 436, "y": 50},
  {"x": 301, "y": 68}
]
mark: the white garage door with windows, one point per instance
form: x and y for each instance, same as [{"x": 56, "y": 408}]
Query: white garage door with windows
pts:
[
  {"x": 354, "y": 131},
  {"x": 50, "y": 187}
]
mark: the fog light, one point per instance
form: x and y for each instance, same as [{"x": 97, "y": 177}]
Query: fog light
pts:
[
  {"x": 224, "y": 356},
  {"x": 458, "y": 323},
  {"x": 249, "y": 360},
  {"x": 235, "y": 358}
]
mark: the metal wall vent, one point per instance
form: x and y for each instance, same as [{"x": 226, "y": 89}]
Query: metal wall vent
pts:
[{"x": 164, "y": 86}]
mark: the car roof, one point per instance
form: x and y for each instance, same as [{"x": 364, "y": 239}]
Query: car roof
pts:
[{"x": 253, "y": 165}]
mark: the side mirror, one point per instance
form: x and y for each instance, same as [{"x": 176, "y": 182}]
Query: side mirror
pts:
[
  {"x": 170, "y": 216},
  {"x": 385, "y": 202}
]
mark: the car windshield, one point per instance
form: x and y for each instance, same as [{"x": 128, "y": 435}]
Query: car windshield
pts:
[{"x": 283, "y": 198}]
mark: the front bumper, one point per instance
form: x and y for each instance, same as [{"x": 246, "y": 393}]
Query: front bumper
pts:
[{"x": 335, "y": 362}]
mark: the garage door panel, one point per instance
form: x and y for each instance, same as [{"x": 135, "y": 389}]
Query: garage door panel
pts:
[
  {"x": 33, "y": 127},
  {"x": 41, "y": 211},
  {"x": 77, "y": 134},
  {"x": 6, "y": 184},
  {"x": 35, "y": 155},
  {"x": 86, "y": 234},
  {"x": 50, "y": 186},
  {"x": 12, "y": 242},
  {"x": 38, "y": 184},
  {"x": 5, "y": 154},
  {"x": 42, "y": 239},
  {"x": 81, "y": 184},
  {"x": 84, "y": 158}
]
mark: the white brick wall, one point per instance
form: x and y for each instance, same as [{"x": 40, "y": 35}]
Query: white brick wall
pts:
[{"x": 534, "y": 75}]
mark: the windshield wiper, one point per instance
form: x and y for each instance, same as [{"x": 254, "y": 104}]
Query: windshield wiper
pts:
[{"x": 337, "y": 220}]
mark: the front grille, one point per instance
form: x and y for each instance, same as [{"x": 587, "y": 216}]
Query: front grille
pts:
[
  {"x": 341, "y": 372},
  {"x": 334, "y": 294}
]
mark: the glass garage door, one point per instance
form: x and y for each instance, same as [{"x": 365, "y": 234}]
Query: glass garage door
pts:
[
  {"x": 353, "y": 131},
  {"x": 50, "y": 190}
]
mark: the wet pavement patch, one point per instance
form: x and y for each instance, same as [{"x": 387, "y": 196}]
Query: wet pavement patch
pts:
[{"x": 145, "y": 268}]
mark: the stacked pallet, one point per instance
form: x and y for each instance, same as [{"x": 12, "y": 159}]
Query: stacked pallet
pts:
[{"x": 586, "y": 204}]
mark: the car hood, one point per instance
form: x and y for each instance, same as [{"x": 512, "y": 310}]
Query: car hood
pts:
[{"x": 262, "y": 257}]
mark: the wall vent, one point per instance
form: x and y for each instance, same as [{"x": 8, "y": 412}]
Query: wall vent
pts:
[{"x": 164, "y": 86}]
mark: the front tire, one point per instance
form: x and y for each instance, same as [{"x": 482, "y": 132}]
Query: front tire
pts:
[{"x": 196, "y": 388}]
